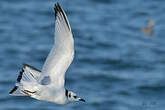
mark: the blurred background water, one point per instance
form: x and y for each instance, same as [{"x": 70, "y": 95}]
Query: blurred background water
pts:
[{"x": 116, "y": 66}]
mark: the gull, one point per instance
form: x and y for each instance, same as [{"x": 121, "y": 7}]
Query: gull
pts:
[
  {"x": 149, "y": 29},
  {"x": 48, "y": 84}
]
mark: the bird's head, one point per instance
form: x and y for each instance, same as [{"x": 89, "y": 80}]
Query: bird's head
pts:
[{"x": 72, "y": 97}]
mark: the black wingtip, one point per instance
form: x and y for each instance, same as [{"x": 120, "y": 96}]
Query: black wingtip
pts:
[
  {"x": 59, "y": 9},
  {"x": 14, "y": 89},
  {"x": 58, "y": 4},
  {"x": 55, "y": 9},
  {"x": 20, "y": 75},
  {"x": 27, "y": 65}
]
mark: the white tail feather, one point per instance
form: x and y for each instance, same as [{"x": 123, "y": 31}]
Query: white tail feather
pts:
[{"x": 28, "y": 74}]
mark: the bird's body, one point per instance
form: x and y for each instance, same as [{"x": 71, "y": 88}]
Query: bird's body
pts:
[
  {"x": 48, "y": 84},
  {"x": 46, "y": 93},
  {"x": 149, "y": 29}
]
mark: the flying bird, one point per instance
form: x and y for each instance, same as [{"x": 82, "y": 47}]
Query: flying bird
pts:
[
  {"x": 149, "y": 29},
  {"x": 48, "y": 84}
]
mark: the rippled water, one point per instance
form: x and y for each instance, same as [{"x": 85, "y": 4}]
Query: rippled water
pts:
[{"x": 116, "y": 66}]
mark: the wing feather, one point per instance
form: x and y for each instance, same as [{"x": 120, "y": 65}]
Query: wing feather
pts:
[{"x": 62, "y": 53}]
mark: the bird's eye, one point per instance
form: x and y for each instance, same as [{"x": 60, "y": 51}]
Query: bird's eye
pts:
[
  {"x": 69, "y": 95},
  {"x": 75, "y": 97}
]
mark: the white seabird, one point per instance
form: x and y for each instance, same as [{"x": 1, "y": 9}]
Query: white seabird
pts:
[{"x": 48, "y": 84}]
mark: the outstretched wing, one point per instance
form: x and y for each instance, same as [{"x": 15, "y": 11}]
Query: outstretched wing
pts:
[{"x": 62, "y": 53}]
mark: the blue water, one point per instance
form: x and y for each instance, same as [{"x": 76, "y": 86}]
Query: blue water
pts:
[{"x": 116, "y": 66}]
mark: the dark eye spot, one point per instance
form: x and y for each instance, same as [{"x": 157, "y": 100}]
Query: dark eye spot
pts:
[
  {"x": 69, "y": 95},
  {"x": 75, "y": 97}
]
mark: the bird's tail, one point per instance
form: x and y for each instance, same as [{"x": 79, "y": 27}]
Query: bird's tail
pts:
[{"x": 26, "y": 78}]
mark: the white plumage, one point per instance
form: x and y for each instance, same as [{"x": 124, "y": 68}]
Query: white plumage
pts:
[
  {"x": 48, "y": 84},
  {"x": 62, "y": 53}
]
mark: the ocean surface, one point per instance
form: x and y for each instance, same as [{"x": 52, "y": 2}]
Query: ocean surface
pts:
[{"x": 116, "y": 65}]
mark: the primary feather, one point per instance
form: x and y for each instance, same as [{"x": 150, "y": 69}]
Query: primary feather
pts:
[{"x": 62, "y": 52}]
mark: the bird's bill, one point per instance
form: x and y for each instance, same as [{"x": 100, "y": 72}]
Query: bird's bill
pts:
[{"x": 80, "y": 99}]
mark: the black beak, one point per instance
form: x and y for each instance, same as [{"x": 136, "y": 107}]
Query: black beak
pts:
[{"x": 82, "y": 100}]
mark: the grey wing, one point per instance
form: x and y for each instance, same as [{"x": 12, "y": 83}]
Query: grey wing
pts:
[{"x": 62, "y": 52}]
